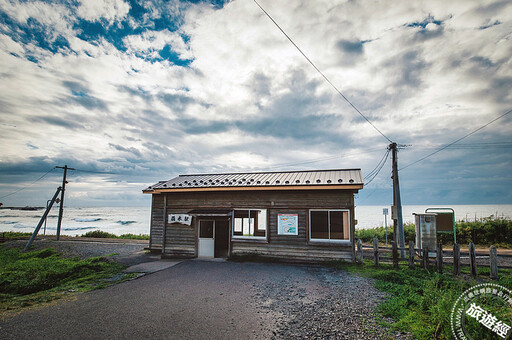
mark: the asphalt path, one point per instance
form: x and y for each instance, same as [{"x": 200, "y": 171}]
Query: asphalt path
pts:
[
  {"x": 191, "y": 300},
  {"x": 198, "y": 299}
]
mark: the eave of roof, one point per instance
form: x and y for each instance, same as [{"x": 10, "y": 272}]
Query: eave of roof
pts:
[
  {"x": 264, "y": 188},
  {"x": 340, "y": 179}
]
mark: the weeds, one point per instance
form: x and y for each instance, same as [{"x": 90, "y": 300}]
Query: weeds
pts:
[
  {"x": 44, "y": 275},
  {"x": 419, "y": 302}
]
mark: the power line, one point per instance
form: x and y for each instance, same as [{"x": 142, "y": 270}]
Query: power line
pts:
[
  {"x": 94, "y": 172},
  {"x": 379, "y": 169},
  {"x": 314, "y": 160},
  {"x": 364, "y": 199},
  {"x": 458, "y": 140},
  {"x": 470, "y": 146},
  {"x": 378, "y": 164},
  {"x": 37, "y": 180},
  {"x": 321, "y": 73}
]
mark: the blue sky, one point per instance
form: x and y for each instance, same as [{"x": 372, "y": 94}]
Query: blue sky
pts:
[{"x": 133, "y": 92}]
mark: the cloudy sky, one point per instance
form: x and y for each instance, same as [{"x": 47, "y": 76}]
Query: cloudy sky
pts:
[{"x": 132, "y": 92}]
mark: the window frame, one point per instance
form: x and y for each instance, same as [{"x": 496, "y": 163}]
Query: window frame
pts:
[
  {"x": 329, "y": 240},
  {"x": 248, "y": 237}
]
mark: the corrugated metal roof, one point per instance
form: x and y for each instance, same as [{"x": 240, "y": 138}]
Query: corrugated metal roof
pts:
[{"x": 263, "y": 179}]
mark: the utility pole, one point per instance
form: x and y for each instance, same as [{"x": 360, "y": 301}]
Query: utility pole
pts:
[
  {"x": 398, "y": 224},
  {"x": 61, "y": 208}
]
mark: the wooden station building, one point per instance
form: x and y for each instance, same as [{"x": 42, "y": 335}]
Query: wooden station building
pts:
[{"x": 296, "y": 215}]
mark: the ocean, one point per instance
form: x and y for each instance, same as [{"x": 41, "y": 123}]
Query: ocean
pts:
[{"x": 135, "y": 220}]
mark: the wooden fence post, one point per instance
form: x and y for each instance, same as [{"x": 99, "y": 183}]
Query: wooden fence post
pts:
[
  {"x": 456, "y": 259},
  {"x": 376, "y": 251},
  {"x": 439, "y": 258},
  {"x": 472, "y": 259},
  {"x": 493, "y": 257},
  {"x": 395, "y": 254},
  {"x": 425, "y": 258},
  {"x": 411, "y": 254},
  {"x": 359, "y": 251}
]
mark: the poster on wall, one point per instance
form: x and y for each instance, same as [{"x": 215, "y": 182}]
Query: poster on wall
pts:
[{"x": 287, "y": 224}]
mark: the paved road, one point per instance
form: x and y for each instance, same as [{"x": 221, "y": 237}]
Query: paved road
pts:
[{"x": 211, "y": 300}]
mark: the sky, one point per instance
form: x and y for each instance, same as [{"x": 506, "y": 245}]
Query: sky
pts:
[{"x": 133, "y": 92}]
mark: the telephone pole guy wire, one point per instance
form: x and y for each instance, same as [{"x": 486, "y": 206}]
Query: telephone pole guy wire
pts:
[{"x": 23, "y": 188}]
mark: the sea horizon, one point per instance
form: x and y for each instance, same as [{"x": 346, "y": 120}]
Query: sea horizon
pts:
[{"x": 136, "y": 219}]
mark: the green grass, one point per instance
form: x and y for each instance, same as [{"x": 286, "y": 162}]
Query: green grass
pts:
[
  {"x": 419, "y": 302},
  {"x": 104, "y": 234},
  {"x": 12, "y": 235},
  {"x": 40, "y": 276}
]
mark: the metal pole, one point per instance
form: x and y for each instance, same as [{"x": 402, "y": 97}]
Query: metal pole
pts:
[
  {"x": 386, "y": 224},
  {"x": 34, "y": 234},
  {"x": 44, "y": 232},
  {"x": 61, "y": 209},
  {"x": 398, "y": 223}
]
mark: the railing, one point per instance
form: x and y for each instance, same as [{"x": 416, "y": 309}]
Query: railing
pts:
[{"x": 438, "y": 256}]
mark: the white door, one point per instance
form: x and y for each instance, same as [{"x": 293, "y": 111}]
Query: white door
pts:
[{"x": 206, "y": 241}]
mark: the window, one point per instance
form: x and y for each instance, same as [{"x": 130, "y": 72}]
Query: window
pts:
[
  {"x": 250, "y": 223},
  {"x": 329, "y": 225},
  {"x": 206, "y": 229}
]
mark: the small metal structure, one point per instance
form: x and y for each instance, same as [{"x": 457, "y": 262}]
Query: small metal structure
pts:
[
  {"x": 426, "y": 231},
  {"x": 445, "y": 221}
]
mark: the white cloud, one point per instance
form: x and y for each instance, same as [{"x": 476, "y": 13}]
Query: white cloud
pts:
[
  {"x": 423, "y": 72},
  {"x": 110, "y": 10}
]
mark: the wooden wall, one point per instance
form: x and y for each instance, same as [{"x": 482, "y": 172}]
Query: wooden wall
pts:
[
  {"x": 181, "y": 241},
  {"x": 157, "y": 223}
]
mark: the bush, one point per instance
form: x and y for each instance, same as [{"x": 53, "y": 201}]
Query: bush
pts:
[
  {"x": 99, "y": 234},
  {"x": 367, "y": 235},
  {"x": 104, "y": 234},
  {"x": 486, "y": 232},
  {"x": 134, "y": 237}
]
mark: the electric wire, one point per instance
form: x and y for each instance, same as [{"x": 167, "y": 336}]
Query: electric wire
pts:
[
  {"x": 94, "y": 172},
  {"x": 378, "y": 164},
  {"x": 469, "y": 146},
  {"x": 380, "y": 168},
  {"x": 37, "y": 180},
  {"x": 364, "y": 199},
  {"x": 458, "y": 140},
  {"x": 314, "y": 160},
  {"x": 321, "y": 73}
]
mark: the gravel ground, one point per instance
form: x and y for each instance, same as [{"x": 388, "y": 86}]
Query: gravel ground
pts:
[{"x": 324, "y": 303}]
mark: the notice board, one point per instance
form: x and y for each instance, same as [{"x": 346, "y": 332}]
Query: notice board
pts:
[{"x": 287, "y": 224}]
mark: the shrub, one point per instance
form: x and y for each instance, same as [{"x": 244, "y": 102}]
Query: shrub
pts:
[
  {"x": 99, "y": 234},
  {"x": 486, "y": 232}
]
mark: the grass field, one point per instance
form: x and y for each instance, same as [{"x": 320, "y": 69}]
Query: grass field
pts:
[
  {"x": 420, "y": 302},
  {"x": 41, "y": 276}
]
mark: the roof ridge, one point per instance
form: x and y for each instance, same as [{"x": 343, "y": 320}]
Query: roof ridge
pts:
[{"x": 268, "y": 172}]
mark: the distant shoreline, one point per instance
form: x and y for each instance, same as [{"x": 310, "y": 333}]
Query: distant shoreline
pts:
[{"x": 23, "y": 208}]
